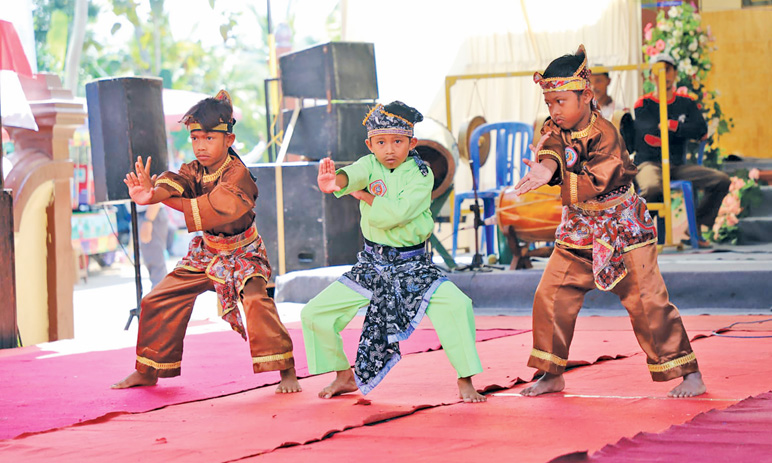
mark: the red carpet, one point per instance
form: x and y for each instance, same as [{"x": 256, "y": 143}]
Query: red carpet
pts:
[
  {"x": 414, "y": 414},
  {"x": 259, "y": 421},
  {"x": 39, "y": 394},
  {"x": 739, "y": 433}
]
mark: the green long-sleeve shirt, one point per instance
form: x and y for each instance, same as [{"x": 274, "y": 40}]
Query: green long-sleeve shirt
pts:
[{"x": 400, "y": 214}]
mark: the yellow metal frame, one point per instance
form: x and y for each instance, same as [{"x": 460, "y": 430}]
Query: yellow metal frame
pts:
[{"x": 658, "y": 69}]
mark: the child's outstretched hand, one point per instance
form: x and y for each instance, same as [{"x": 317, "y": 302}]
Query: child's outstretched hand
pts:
[
  {"x": 140, "y": 183},
  {"x": 538, "y": 175},
  {"x": 326, "y": 177}
]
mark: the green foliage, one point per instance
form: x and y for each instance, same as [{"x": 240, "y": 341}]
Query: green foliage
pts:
[
  {"x": 679, "y": 33},
  {"x": 237, "y": 64}
]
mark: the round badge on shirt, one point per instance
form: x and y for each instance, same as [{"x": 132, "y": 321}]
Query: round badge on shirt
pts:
[
  {"x": 378, "y": 188},
  {"x": 571, "y": 156}
]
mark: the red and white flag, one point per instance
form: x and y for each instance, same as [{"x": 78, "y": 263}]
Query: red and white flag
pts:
[{"x": 16, "y": 111}]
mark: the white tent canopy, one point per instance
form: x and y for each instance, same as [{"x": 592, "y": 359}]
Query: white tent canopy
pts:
[{"x": 417, "y": 44}]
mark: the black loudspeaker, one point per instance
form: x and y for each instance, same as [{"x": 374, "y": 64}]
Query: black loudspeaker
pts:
[
  {"x": 125, "y": 120},
  {"x": 319, "y": 229},
  {"x": 338, "y": 134},
  {"x": 332, "y": 71}
]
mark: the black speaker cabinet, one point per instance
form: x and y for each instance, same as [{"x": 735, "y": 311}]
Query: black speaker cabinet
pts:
[
  {"x": 125, "y": 120},
  {"x": 319, "y": 229},
  {"x": 332, "y": 71},
  {"x": 338, "y": 134}
]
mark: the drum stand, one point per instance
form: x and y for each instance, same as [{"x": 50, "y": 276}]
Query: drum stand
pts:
[{"x": 477, "y": 259}]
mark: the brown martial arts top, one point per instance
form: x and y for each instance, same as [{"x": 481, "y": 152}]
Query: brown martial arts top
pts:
[
  {"x": 220, "y": 203},
  {"x": 230, "y": 252},
  {"x": 601, "y": 210}
]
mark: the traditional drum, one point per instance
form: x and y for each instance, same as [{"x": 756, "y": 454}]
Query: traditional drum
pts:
[{"x": 534, "y": 216}]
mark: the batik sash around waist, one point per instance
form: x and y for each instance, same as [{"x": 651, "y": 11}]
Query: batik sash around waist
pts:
[
  {"x": 229, "y": 262},
  {"x": 611, "y": 227},
  {"x": 399, "y": 283}
]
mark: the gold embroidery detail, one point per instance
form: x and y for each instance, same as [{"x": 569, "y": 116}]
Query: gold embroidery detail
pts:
[
  {"x": 552, "y": 358},
  {"x": 573, "y": 186},
  {"x": 212, "y": 177},
  {"x": 557, "y": 157},
  {"x": 249, "y": 277},
  {"x": 190, "y": 268},
  {"x": 624, "y": 274},
  {"x": 272, "y": 358},
  {"x": 171, "y": 183},
  {"x": 639, "y": 245},
  {"x": 595, "y": 206},
  {"x": 223, "y": 127},
  {"x": 196, "y": 214},
  {"x": 158, "y": 366},
  {"x": 574, "y": 246},
  {"x": 691, "y": 357},
  {"x": 249, "y": 236},
  {"x": 585, "y": 131}
]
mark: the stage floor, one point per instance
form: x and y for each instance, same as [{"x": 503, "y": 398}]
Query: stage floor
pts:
[{"x": 57, "y": 406}]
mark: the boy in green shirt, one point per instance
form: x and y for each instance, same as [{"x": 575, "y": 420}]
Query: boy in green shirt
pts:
[{"x": 394, "y": 274}]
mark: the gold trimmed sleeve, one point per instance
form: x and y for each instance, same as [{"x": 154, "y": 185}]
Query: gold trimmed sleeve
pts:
[
  {"x": 557, "y": 177},
  {"x": 192, "y": 214},
  {"x": 171, "y": 184},
  {"x": 573, "y": 186}
]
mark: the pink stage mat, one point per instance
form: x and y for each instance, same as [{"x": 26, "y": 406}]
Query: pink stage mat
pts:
[
  {"x": 39, "y": 393},
  {"x": 739, "y": 433},
  {"x": 414, "y": 415},
  {"x": 601, "y": 403},
  {"x": 258, "y": 421}
]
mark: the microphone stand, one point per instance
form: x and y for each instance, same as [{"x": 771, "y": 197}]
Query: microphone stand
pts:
[
  {"x": 137, "y": 278},
  {"x": 477, "y": 259}
]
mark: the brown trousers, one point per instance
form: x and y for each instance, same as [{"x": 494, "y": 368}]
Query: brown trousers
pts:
[
  {"x": 714, "y": 184},
  {"x": 656, "y": 322},
  {"x": 166, "y": 311}
]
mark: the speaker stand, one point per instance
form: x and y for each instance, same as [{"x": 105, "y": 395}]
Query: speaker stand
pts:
[{"x": 137, "y": 278}]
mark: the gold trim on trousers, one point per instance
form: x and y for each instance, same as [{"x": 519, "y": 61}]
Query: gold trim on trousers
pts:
[
  {"x": 166, "y": 312},
  {"x": 656, "y": 321}
]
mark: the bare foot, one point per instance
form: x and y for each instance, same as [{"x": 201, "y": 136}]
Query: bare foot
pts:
[
  {"x": 691, "y": 386},
  {"x": 289, "y": 382},
  {"x": 546, "y": 384},
  {"x": 467, "y": 392},
  {"x": 343, "y": 383},
  {"x": 136, "y": 379}
]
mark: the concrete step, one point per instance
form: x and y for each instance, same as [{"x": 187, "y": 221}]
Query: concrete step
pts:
[
  {"x": 764, "y": 208},
  {"x": 748, "y": 164},
  {"x": 755, "y": 230},
  {"x": 716, "y": 283}
]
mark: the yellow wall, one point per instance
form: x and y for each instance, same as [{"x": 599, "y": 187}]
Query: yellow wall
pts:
[
  {"x": 741, "y": 71},
  {"x": 31, "y": 287}
]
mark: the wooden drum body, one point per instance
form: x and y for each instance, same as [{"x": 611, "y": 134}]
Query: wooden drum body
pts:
[{"x": 534, "y": 216}]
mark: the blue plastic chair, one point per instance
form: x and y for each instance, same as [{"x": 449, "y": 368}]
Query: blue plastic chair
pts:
[
  {"x": 688, "y": 193},
  {"x": 509, "y": 166}
]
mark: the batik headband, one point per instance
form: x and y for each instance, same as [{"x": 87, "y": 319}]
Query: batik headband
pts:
[
  {"x": 395, "y": 118},
  {"x": 580, "y": 80},
  {"x": 225, "y": 127}
]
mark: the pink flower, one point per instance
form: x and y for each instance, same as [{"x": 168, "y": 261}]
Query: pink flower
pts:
[
  {"x": 732, "y": 220},
  {"x": 682, "y": 90},
  {"x": 649, "y": 26},
  {"x": 651, "y": 51},
  {"x": 754, "y": 174},
  {"x": 660, "y": 44},
  {"x": 647, "y": 34},
  {"x": 736, "y": 184}
]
